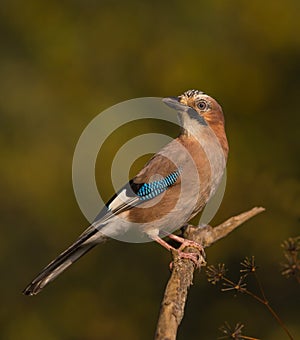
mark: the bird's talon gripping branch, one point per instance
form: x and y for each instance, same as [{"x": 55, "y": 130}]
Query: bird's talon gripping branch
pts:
[
  {"x": 194, "y": 257},
  {"x": 190, "y": 256},
  {"x": 188, "y": 243},
  {"x": 197, "y": 259}
]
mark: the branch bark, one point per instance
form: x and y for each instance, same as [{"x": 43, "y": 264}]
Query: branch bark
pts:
[{"x": 172, "y": 307}]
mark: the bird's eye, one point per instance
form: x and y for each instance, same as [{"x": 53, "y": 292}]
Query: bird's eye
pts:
[{"x": 202, "y": 105}]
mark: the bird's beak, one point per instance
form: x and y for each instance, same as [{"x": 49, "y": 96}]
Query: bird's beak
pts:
[{"x": 174, "y": 103}]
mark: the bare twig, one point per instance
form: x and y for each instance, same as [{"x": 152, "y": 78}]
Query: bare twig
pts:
[{"x": 172, "y": 307}]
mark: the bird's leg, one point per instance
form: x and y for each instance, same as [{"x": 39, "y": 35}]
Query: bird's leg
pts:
[
  {"x": 191, "y": 256},
  {"x": 163, "y": 243}
]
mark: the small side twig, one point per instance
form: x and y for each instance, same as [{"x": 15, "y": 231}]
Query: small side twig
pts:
[
  {"x": 241, "y": 287},
  {"x": 172, "y": 307}
]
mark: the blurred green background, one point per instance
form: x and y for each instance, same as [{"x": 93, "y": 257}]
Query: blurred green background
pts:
[{"x": 63, "y": 62}]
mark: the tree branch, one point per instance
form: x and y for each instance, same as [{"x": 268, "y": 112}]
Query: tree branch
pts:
[{"x": 172, "y": 307}]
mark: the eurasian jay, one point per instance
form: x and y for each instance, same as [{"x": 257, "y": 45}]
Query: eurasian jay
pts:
[{"x": 174, "y": 186}]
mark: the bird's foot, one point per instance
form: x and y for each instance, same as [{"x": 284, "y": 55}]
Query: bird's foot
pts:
[
  {"x": 190, "y": 256},
  {"x": 188, "y": 243},
  {"x": 194, "y": 257},
  {"x": 198, "y": 259}
]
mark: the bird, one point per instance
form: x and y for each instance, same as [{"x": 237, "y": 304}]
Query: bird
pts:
[{"x": 171, "y": 188}]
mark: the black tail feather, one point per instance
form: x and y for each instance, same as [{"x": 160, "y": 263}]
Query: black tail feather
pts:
[{"x": 63, "y": 261}]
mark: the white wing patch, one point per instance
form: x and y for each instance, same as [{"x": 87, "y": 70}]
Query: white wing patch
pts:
[
  {"x": 119, "y": 201},
  {"x": 122, "y": 202}
]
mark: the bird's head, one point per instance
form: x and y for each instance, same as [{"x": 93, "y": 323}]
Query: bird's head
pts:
[
  {"x": 197, "y": 110},
  {"x": 207, "y": 108}
]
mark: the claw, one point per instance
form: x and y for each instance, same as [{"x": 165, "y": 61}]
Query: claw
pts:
[
  {"x": 198, "y": 260},
  {"x": 188, "y": 243},
  {"x": 190, "y": 256}
]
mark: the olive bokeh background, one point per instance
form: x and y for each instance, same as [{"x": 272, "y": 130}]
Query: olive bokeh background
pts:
[{"x": 63, "y": 62}]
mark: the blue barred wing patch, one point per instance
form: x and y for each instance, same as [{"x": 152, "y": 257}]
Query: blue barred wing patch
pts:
[{"x": 153, "y": 189}]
